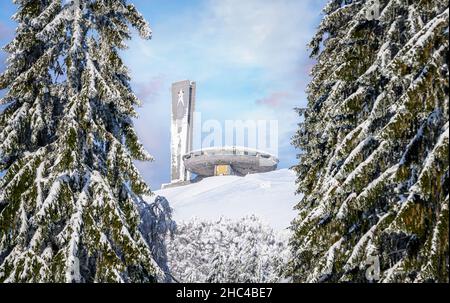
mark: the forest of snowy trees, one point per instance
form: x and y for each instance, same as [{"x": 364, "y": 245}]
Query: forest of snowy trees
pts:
[
  {"x": 373, "y": 166},
  {"x": 239, "y": 251}
]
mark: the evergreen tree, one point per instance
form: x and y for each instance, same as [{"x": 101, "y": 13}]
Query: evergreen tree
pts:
[
  {"x": 374, "y": 168},
  {"x": 68, "y": 201}
]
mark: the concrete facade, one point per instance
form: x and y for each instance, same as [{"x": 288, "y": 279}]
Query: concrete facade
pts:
[
  {"x": 238, "y": 161},
  {"x": 216, "y": 161},
  {"x": 183, "y": 106}
]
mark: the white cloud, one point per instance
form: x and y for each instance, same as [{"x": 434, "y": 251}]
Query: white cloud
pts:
[
  {"x": 268, "y": 34},
  {"x": 265, "y": 34}
]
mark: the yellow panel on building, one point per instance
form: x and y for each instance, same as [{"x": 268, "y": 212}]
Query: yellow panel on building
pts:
[{"x": 222, "y": 170}]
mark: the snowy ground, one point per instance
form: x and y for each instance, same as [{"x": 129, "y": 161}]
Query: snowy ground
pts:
[{"x": 270, "y": 196}]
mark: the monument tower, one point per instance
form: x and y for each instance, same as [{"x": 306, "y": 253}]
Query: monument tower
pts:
[
  {"x": 210, "y": 161},
  {"x": 183, "y": 106}
]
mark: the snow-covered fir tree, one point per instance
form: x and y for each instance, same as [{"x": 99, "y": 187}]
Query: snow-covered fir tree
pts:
[
  {"x": 374, "y": 168},
  {"x": 233, "y": 251},
  {"x": 69, "y": 199},
  {"x": 157, "y": 226}
]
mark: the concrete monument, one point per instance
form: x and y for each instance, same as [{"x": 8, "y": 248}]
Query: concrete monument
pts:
[{"x": 183, "y": 106}]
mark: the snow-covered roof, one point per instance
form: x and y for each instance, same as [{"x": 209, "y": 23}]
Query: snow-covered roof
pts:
[{"x": 242, "y": 160}]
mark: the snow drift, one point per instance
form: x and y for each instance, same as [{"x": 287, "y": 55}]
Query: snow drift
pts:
[
  {"x": 269, "y": 196},
  {"x": 228, "y": 229}
]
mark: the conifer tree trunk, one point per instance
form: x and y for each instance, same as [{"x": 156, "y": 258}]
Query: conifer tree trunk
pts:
[
  {"x": 68, "y": 201},
  {"x": 374, "y": 168}
]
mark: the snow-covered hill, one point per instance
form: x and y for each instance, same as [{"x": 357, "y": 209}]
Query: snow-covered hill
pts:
[{"x": 269, "y": 196}]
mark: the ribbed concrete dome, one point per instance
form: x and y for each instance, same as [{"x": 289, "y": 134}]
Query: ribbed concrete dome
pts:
[{"x": 242, "y": 160}]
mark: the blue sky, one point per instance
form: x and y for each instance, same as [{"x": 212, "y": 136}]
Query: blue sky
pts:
[{"x": 249, "y": 59}]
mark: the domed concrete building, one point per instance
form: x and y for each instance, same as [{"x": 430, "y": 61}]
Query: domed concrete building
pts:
[
  {"x": 208, "y": 162},
  {"x": 220, "y": 161}
]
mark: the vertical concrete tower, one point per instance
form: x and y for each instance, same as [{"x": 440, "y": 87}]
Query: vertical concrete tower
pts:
[{"x": 183, "y": 106}]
